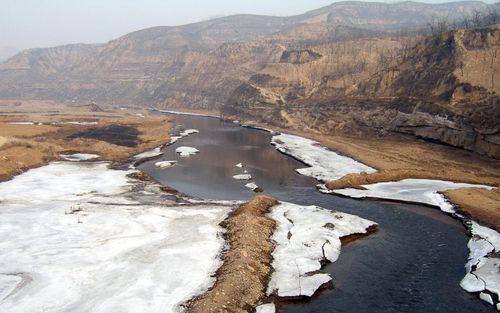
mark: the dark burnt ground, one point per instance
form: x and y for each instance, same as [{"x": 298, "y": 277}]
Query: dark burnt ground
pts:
[{"x": 120, "y": 135}]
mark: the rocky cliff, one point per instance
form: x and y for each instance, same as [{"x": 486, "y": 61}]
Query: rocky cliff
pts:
[{"x": 443, "y": 88}]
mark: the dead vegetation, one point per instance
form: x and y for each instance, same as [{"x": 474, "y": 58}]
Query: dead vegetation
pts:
[
  {"x": 24, "y": 146},
  {"x": 242, "y": 279}
]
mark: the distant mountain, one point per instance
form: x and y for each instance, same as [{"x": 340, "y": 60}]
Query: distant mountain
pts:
[
  {"x": 197, "y": 64},
  {"x": 349, "y": 67}
]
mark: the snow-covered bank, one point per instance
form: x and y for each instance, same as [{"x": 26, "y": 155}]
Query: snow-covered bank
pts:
[
  {"x": 127, "y": 250},
  {"x": 324, "y": 165},
  {"x": 78, "y": 157},
  {"x": 327, "y": 166},
  {"x": 482, "y": 269},
  {"x": 305, "y": 236},
  {"x": 424, "y": 191}
]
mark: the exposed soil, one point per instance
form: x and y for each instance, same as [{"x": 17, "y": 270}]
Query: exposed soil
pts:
[{"x": 242, "y": 279}]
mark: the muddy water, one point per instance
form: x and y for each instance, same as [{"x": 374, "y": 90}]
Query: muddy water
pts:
[{"x": 414, "y": 263}]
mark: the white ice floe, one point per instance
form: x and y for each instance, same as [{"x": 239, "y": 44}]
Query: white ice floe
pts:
[
  {"x": 483, "y": 269},
  {"x": 240, "y": 165},
  {"x": 266, "y": 308},
  {"x": 305, "y": 236},
  {"x": 186, "y": 151},
  {"x": 325, "y": 165},
  {"x": 77, "y": 157},
  {"x": 424, "y": 191},
  {"x": 149, "y": 154},
  {"x": 242, "y": 177},
  {"x": 252, "y": 186},
  {"x": 188, "y": 132},
  {"x": 118, "y": 253},
  {"x": 165, "y": 164}
]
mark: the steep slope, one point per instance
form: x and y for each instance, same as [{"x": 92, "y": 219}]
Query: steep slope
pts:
[
  {"x": 189, "y": 64},
  {"x": 444, "y": 88}
]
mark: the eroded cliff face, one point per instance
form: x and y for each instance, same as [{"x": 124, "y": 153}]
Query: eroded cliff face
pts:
[
  {"x": 350, "y": 66},
  {"x": 198, "y": 65},
  {"x": 444, "y": 88}
]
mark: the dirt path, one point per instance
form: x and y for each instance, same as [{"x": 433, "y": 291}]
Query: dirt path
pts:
[{"x": 242, "y": 279}]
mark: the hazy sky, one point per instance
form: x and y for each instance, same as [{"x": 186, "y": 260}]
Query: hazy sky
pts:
[{"x": 43, "y": 23}]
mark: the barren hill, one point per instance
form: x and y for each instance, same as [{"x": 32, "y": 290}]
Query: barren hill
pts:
[
  {"x": 197, "y": 64},
  {"x": 350, "y": 67}
]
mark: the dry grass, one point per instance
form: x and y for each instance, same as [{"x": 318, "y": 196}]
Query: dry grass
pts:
[
  {"x": 242, "y": 279},
  {"x": 26, "y": 146},
  {"x": 481, "y": 204}
]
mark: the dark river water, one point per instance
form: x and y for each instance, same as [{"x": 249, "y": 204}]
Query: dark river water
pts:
[{"x": 413, "y": 263}]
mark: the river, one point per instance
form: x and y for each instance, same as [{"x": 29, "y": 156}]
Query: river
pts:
[{"x": 413, "y": 263}]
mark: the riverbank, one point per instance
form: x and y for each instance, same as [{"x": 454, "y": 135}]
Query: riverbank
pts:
[
  {"x": 35, "y": 133},
  {"x": 399, "y": 157}
]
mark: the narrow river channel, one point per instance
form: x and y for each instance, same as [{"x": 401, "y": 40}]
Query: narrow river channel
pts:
[{"x": 413, "y": 263}]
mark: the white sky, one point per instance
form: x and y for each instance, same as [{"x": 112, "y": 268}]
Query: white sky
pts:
[{"x": 43, "y": 23}]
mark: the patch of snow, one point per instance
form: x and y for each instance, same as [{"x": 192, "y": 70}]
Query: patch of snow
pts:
[
  {"x": 325, "y": 165},
  {"x": 239, "y": 165},
  {"x": 140, "y": 115},
  {"x": 77, "y": 157},
  {"x": 242, "y": 177},
  {"x": 305, "y": 236},
  {"x": 411, "y": 190},
  {"x": 121, "y": 253},
  {"x": 186, "y": 151},
  {"x": 266, "y": 308},
  {"x": 165, "y": 164},
  {"x": 149, "y": 154}
]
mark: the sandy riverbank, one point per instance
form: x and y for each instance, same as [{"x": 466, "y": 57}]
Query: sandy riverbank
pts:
[{"x": 35, "y": 133}]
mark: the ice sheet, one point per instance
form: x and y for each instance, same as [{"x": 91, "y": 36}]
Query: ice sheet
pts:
[
  {"x": 305, "y": 236},
  {"x": 120, "y": 253},
  {"x": 324, "y": 165}
]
